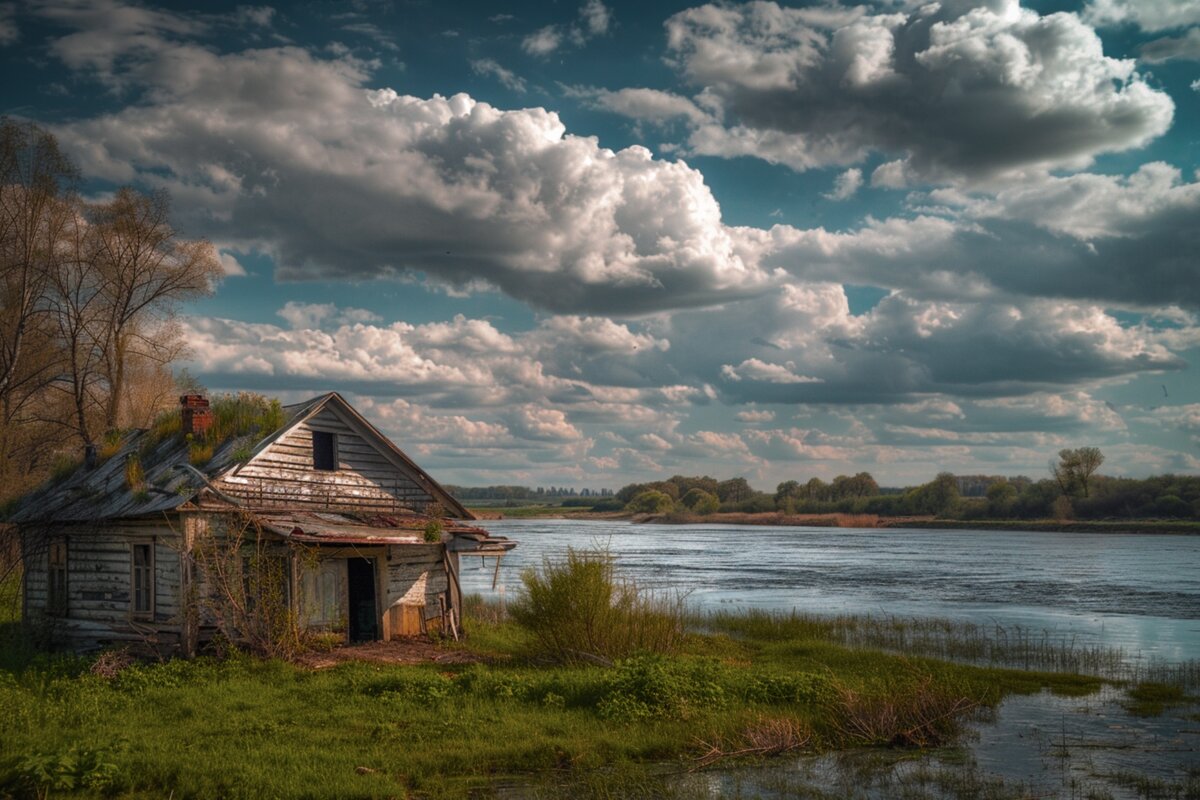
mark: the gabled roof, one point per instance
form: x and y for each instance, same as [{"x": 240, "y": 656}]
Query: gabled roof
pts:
[
  {"x": 302, "y": 412},
  {"x": 103, "y": 493}
]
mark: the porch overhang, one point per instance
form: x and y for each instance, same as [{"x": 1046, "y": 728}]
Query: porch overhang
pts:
[{"x": 327, "y": 528}]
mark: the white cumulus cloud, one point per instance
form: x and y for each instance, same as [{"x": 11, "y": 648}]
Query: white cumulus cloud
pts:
[{"x": 956, "y": 92}]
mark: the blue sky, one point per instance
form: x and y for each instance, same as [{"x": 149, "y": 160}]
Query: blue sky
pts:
[{"x": 585, "y": 243}]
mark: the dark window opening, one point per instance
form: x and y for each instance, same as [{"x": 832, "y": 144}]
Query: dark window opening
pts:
[
  {"x": 56, "y": 588},
  {"x": 142, "y": 577},
  {"x": 325, "y": 451}
]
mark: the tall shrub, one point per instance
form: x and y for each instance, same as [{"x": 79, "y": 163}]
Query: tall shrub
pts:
[{"x": 577, "y": 609}]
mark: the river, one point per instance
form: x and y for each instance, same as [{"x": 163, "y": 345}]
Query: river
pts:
[
  {"x": 1136, "y": 593},
  {"x": 1139, "y": 593}
]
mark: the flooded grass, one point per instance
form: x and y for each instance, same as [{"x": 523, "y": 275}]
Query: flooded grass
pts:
[
  {"x": 1150, "y": 699},
  {"x": 993, "y": 645},
  {"x": 1151, "y": 788}
]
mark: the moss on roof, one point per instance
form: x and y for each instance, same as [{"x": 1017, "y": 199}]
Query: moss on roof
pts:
[{"x": 242, "y": 423}]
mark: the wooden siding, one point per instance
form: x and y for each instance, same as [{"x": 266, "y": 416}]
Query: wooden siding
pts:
[
  {"x": 409, "y": 581},
  {"x": 367, "y": 479},
  {"x": 412, "y": 585},
  {"x": 415, "y": 578},
  {"x": 98, "y": 610}
]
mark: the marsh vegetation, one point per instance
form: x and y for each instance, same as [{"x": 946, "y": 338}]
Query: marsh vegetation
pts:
[{"x": 747, "y": 687}]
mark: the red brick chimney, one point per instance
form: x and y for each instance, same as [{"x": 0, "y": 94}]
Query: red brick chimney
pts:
[{"x": 197, "y": 416}]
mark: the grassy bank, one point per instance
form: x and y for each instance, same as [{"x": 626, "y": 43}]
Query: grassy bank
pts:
[{"x": 753, "y": 686}]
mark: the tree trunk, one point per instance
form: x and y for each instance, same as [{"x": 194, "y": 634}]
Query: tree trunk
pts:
[{"x": 116, "y": 381}]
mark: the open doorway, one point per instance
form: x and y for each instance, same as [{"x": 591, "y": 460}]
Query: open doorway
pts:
[{"x": 364, "y": 618}]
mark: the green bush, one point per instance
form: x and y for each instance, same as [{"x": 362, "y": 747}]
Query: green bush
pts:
[
  {"x": 699, "y": 501},
  {"x": 759, "y": 503},
  {"x": 649, "y": 687},
  {"x": 1172, "y": 506},
  {"x": 651, "y": 501},
  {"x": 578, "y": 610}
]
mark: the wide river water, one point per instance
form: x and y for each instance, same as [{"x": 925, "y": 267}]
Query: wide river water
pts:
[{"x": 1140, "y": 593}]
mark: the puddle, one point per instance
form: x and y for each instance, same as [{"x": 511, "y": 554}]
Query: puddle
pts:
[{"x": 1090, "y": 746}]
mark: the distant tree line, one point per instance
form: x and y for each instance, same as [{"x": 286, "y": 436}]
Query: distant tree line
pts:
[
  {"x": 88, "y": 296},
  {"x": 1074, "y": 490}
]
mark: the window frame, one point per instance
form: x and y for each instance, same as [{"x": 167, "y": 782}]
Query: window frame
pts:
[
  {"x": 148, "y": 572},
  {"x": 58, "y": 559},
  {"x": 330, "y": 451}
]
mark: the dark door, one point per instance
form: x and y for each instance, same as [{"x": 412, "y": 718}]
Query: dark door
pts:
[{"x": 364, "y": 622}]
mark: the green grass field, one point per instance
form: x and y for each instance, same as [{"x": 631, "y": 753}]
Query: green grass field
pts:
[{"x": 245, "y": 728}]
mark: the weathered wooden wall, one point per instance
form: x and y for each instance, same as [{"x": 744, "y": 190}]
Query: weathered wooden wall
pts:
[
  {"x": 416, "y": 577},
  {"x": 99, "y": 587},
  {"x": 410, "y": 581},
  {"x": 366, "y": 478}
]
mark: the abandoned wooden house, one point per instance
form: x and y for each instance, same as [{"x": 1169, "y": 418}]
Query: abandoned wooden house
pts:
[{"x": 133, "y": 548}]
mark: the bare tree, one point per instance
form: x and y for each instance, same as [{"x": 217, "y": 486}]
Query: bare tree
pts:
[
  {"x": 35, "y": 178},
  {"x": 146, "y": 270},
  {"x": 36, "y": 185},
  {"x": 77, "y": 303},
  {"x": 88, "y": 301}
]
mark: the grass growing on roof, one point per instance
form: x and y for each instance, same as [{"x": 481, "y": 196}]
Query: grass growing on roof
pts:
[
  {"x": 64, "y": 466},
  {"x": 135, "y": 476},
  {"x": 247, "y": 414},
  {"x": 112, "y": 444},
  {"x": 200, "y": 452},
  {"x": 243, "y": 414}
]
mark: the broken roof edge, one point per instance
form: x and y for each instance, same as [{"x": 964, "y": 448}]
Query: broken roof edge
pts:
[{"x": 348, "y": 528}]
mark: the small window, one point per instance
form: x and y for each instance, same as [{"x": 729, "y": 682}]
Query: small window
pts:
[
  {"x": 56, "y": 583},
  {"x": 142, "y": 576},
  {"x": 325, "y": 451}
]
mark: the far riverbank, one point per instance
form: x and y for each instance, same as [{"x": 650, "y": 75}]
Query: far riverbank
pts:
[{"x": 850, "y": 521}]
